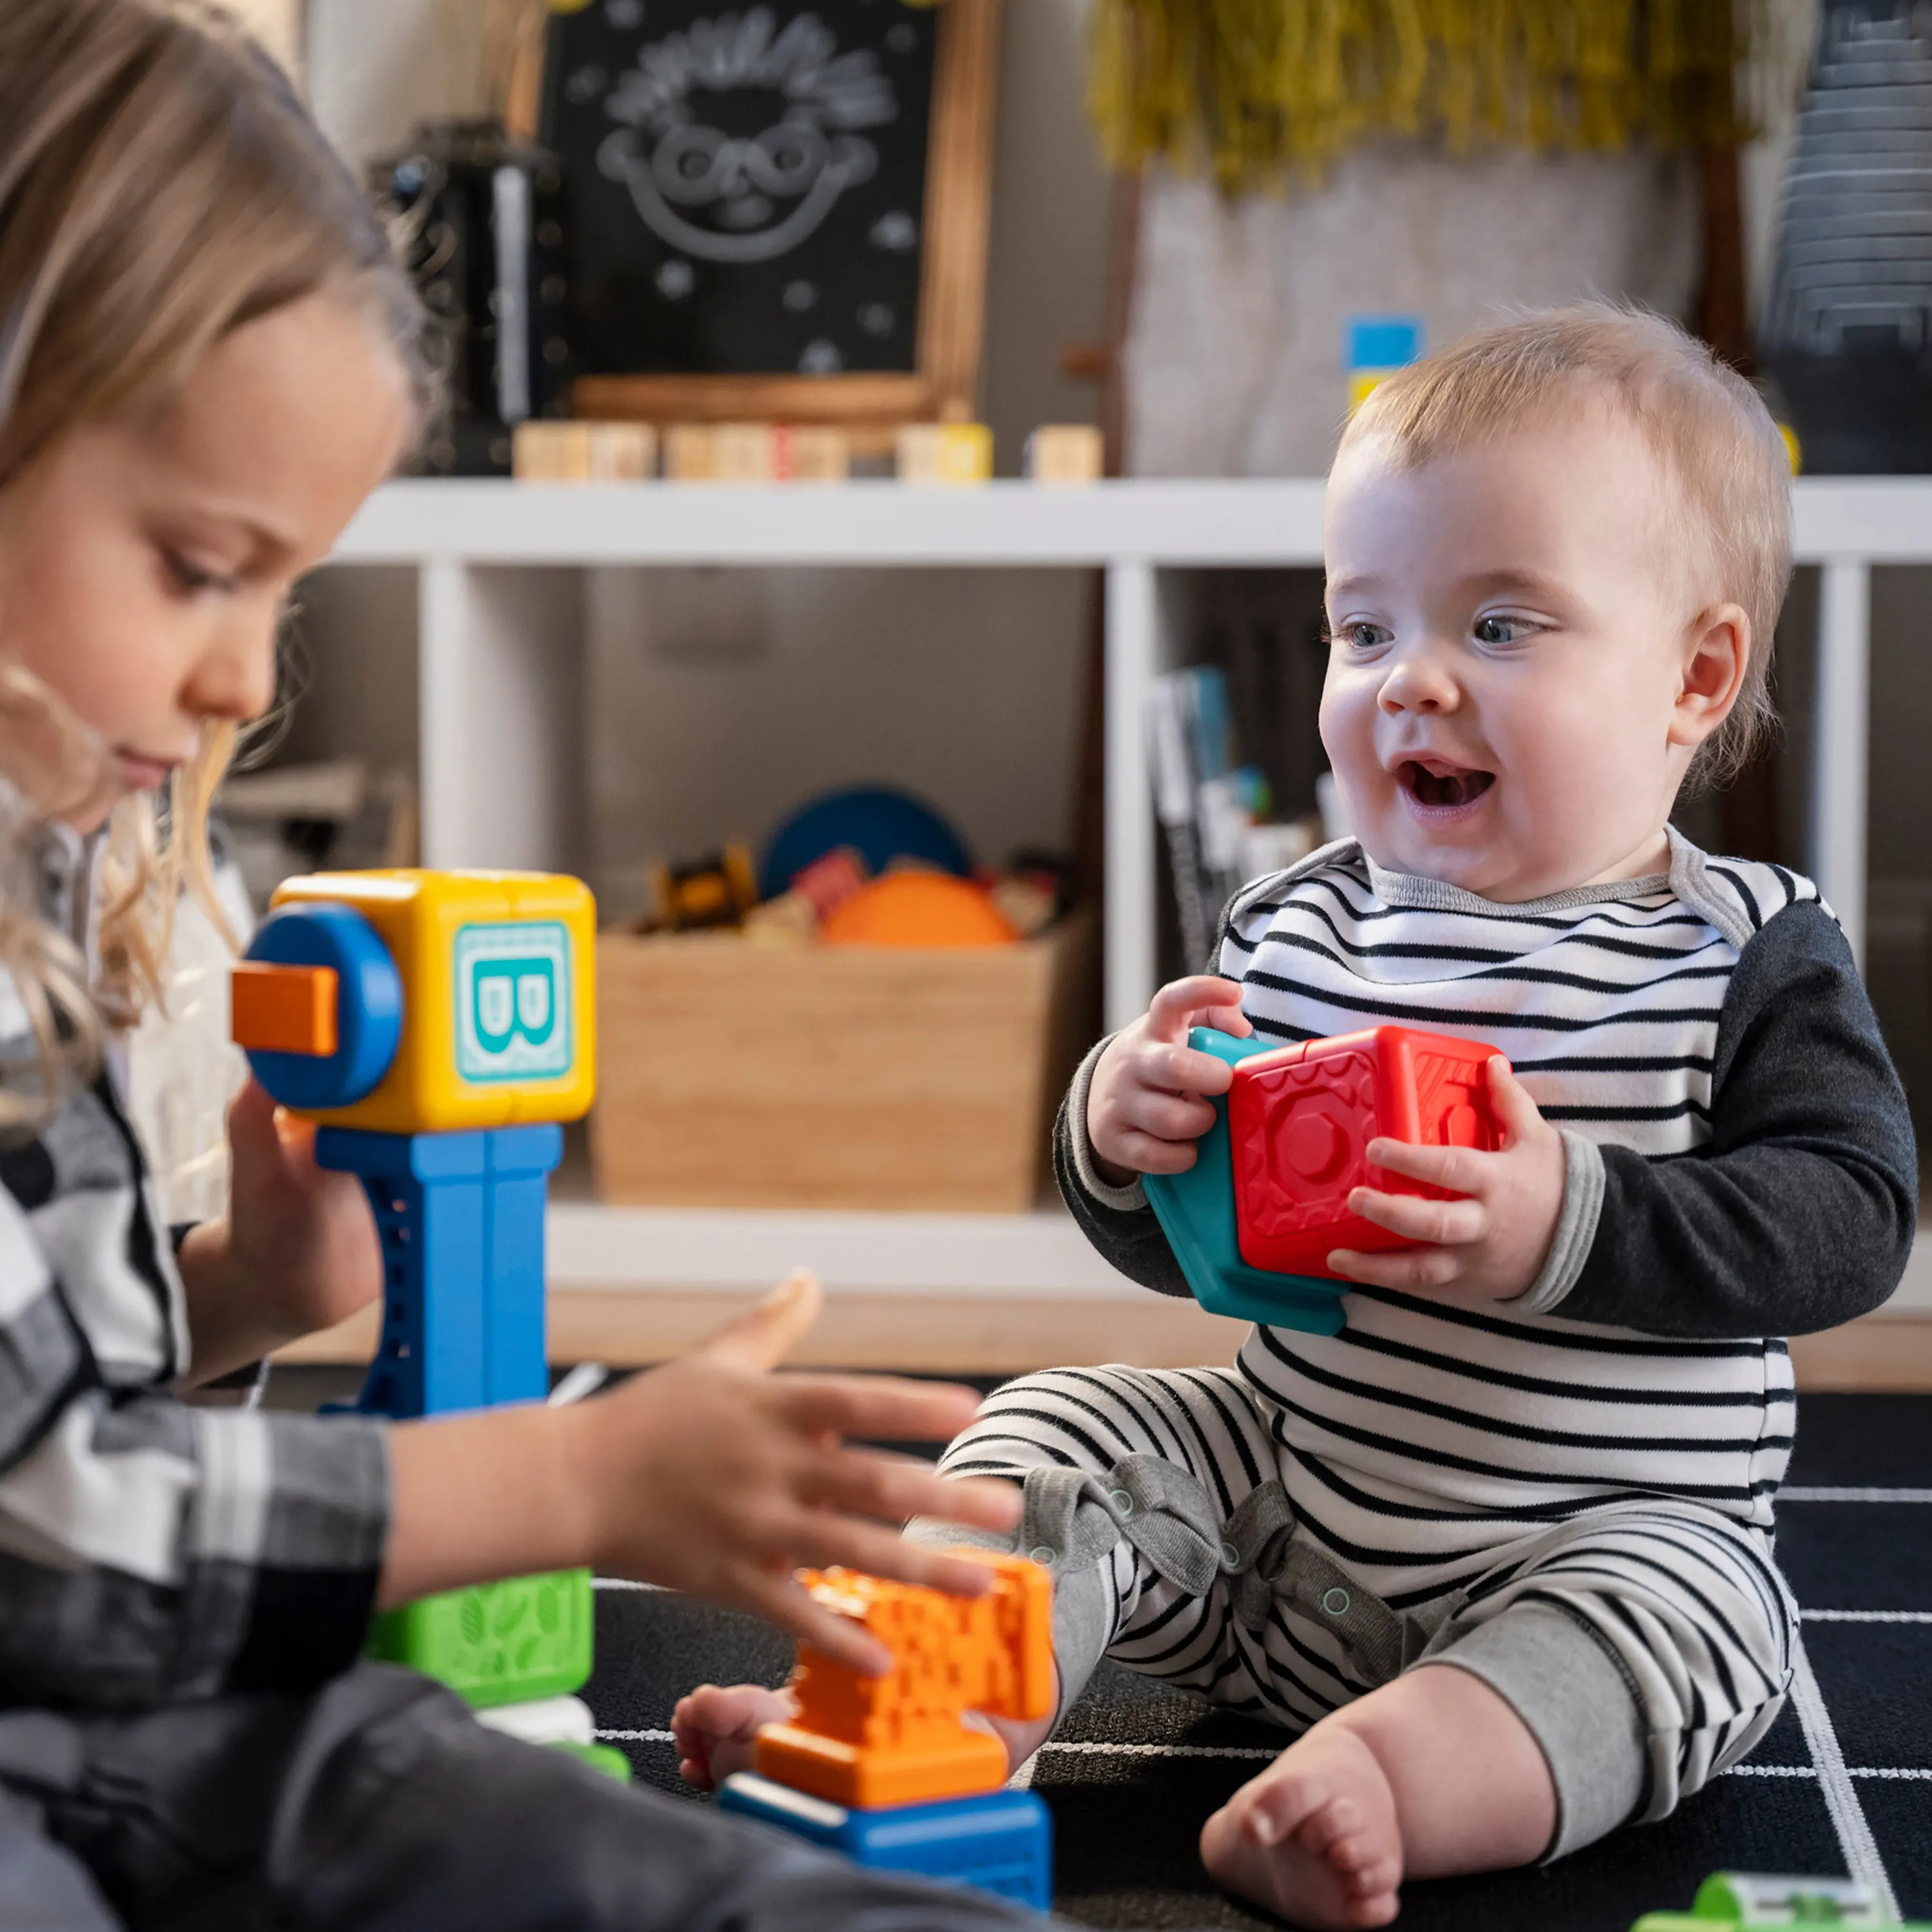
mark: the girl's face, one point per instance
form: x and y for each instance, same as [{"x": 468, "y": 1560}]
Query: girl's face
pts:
[{"x": 144, "y": 571}]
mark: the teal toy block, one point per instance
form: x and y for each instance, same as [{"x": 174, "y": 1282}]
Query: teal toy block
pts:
[
  {"x": 461, "y": 1219},
  {"x": 509, "y": 1642},
  {"x": 998, "y": 1841},
  {"x": 1196, "y": 1212}
]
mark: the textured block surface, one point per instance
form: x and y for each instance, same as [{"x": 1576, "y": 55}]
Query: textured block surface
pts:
[
  {"x": 1301, "y": 1119},
  {"x": 1000, "y": 1841},
  {"x": 901, "y": 1739},
  {"x": 496, "y": 1643}
]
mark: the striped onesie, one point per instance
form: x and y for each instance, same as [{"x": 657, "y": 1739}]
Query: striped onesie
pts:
[{"x": 1569, "y": 1494}]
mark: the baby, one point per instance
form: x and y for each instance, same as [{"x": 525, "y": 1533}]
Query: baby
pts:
[{"x": 1499, "y": 1552}]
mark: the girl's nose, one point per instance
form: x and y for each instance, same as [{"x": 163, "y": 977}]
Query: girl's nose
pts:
[
  {"x": 234, "y": 680},
  {"x": 1417, "y": 681}
]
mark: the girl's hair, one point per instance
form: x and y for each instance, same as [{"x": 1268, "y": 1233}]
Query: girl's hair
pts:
[
  {"x": 161, "y": 184},
  {"x": 1714, "y": 440}
]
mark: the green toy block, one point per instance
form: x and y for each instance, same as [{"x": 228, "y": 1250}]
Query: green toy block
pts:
[
  {"x": 496, "y": 1643},
  {"x": 1747, "y": 1902},
  {"x": 599, "y": 1757}
]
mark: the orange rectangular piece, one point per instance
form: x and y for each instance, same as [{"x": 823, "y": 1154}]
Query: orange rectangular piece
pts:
[
  {"x": 283, "y": 1009},
  {"x": 900, "y": 1739}
]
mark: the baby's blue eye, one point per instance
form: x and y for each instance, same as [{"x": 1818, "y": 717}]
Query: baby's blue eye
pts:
[
  {"x": 1500, "y": 630},
  {"x": 1364, "y": 636}
]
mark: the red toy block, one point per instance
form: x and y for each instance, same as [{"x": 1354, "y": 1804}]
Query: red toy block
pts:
[{"x": 1300, "y": 1120}]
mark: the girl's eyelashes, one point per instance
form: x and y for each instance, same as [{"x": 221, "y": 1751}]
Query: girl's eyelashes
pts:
[{"x": 191, "y": 578}]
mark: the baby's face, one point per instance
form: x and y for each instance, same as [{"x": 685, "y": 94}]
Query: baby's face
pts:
[{"x": 1522, "y": 662}]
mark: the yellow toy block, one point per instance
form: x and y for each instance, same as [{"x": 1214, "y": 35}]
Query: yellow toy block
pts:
[{"x": 499, "y": 996}]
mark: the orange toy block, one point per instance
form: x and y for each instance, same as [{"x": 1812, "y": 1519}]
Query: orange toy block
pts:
[
  {"x": 283, "y": 1009},
  {"x": 900, "y": 1739}
]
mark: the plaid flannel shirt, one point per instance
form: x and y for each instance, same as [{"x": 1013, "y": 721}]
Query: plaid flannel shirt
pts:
[{"x": 150, "y": 1551}]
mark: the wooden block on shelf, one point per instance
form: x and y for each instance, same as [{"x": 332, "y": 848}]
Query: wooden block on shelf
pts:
[
  {"x": 1066, "y": 453},
  {"x": 945, "y": 453},
  {"x": 542, "y": 451},
  {"x": 755, "y": 452}
]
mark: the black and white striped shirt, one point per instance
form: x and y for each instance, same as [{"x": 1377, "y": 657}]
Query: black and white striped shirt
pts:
[{"x": 1740, "y": 1165}]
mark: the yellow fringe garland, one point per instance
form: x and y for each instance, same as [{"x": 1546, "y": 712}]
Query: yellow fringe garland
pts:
[{"x": 1259, "y": 89}]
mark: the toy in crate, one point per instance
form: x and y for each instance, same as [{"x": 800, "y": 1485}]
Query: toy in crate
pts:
[
  {"x": 884, "y": 1768},
  {"x": 1747, "y": 1902},
  {"x": 1253, "y": 1221},
  {"x": 438, "y": 1027}
]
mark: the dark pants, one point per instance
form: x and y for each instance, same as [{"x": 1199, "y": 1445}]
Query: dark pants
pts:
[{"x": 380, "y": 1802}]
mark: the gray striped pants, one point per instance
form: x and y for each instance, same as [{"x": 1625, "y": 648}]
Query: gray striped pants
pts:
[{"x": 1647, "y": 1644}]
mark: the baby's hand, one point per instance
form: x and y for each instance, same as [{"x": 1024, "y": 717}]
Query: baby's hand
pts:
[
  {"x": 1489, "y": 1247},
  {"x": 1144, "y": 1107},
  {"x": 712, "y": 1476},
  {"x": 716, "y": 1730}
]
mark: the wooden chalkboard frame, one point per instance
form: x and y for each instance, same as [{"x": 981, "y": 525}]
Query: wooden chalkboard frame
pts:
[{"x": 952, "y": 282}]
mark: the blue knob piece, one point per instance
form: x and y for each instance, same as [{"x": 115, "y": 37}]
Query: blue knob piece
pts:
[{"x": 368, "y": 1005}]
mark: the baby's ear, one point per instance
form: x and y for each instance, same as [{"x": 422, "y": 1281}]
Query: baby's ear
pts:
[{"x": 1716, "y": 660}]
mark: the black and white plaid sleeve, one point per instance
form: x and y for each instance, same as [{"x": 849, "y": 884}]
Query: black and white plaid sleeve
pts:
[{"x": 151, "y": 1552}]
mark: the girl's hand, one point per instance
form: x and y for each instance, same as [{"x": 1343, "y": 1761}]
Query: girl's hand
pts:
[
  {"x": 1488, "y": 1247},
  {"x": 713, "y": 1475},
  {"x": 1145, "y": 1107},
  {"x": 297, "y": 1252}
]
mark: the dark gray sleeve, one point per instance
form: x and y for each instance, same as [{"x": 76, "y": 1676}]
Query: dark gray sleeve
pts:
[{"x": 1799, "y": 1213}]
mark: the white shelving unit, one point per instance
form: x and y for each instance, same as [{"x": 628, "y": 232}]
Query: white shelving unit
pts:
[{"x": 500, "y": 575}]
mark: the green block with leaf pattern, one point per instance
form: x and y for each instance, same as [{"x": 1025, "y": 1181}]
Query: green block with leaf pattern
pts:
[{"x": 496, "y": 1643}]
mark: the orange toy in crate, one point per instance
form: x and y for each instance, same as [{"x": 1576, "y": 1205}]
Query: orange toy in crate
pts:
[
  {"x": 900, "y": 1738},
  {"x": 918, "y": 908}
]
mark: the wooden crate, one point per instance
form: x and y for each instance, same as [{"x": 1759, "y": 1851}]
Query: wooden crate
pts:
[{"x": 735, "y": 1075}]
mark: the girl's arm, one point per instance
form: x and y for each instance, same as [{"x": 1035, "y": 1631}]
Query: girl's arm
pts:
[{"x": 709, "y": 1475}]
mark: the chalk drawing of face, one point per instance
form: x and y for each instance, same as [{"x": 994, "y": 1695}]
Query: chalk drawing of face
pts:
[{"x": 735, "y": 140}]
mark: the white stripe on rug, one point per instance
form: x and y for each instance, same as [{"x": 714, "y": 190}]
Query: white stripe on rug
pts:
[
  {"x": 1798, "y": 1493},
  {"x": 1834, "y": 1780}
]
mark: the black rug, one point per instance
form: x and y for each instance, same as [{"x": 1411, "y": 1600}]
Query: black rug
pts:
[{"x": 1843, "y": 1787}]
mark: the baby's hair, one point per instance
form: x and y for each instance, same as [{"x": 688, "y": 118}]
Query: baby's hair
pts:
[
  {"x": 161, "y": 184},
  {"x": 1711, "y": 433}
]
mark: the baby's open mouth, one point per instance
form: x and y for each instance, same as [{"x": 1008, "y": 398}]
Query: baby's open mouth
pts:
[{"x": 1450, "y": 786}]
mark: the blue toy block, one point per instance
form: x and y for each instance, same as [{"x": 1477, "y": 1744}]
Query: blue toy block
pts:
[
  {"x": 999, "y": 1841},
  {"x": 1196, "y": 1212},
  {"x": 461, "y": 1218}
]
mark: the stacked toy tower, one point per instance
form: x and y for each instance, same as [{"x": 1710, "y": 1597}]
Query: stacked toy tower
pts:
[
  {"x": 1253, "y": 1222},
  {"x": 885, "y": 1769},
  {"x": 439, "y": 1028}
]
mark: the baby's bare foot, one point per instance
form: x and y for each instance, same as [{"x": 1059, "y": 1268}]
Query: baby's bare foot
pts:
[
  {"x": 715, "y": 1729},
  {"x": 1314, "y": 1838}
]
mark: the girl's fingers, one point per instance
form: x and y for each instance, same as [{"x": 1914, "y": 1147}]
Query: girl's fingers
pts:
[
  {"x": 1446, "y": 1223},
  {"x": 763, "y": 1339},
  {"x": 886, "y": 1408},
  {"x": 1461, "y": 1170},
  {"x": 785, "y": 1601},
  {"x": 891, "y": 1488},
  {"x": 1406, "y": 1268},
  {"x": 823, "y": 1539}
]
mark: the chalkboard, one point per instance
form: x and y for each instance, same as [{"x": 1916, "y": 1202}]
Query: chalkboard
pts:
[{"x": 773, "y": 191}]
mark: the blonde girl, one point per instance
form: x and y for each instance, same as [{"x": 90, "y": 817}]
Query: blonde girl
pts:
[{"x": 208, "y": 357}]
